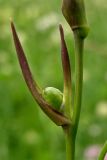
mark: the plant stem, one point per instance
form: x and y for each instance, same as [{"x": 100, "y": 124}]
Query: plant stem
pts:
[
  {"x": 79, "y": 44},
  {"x": 103, "y": 152},
  {"x": 71, "y": 130},
  {"x": 70, "y": 143}
]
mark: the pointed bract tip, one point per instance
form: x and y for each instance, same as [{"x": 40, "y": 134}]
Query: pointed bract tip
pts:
[
  {"x": 60, "y": 27},
  {"x": 61, "y": 31},
  {"x": 11, "y": 22},
  {"x": 12, "y": 26}
]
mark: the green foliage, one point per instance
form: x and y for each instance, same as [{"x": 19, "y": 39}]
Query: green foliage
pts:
[{"x": 25, "y": 132}]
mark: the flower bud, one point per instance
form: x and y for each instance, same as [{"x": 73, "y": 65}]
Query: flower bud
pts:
[
  {"x": 74, "y": 13},
  {"x": 54, "y": 97}
]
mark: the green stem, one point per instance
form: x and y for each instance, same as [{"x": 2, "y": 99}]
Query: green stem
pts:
[
  {"x": 79, "y": 44},
  {"x": 70, "y": 143},
  {"x": 103, "y": 152},
  {"x": 71, "y": 130}
]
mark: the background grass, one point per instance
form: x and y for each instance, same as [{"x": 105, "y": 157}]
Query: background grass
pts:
[{"x": 25, "y": 132}]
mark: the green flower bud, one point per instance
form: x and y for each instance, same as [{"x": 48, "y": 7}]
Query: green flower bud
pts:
[
  {"x": 54, "y": 97},
  {"x": 74, "y": 13}
]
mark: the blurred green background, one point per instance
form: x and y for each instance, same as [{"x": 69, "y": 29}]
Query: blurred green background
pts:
[{"x": 25, "y": 131}]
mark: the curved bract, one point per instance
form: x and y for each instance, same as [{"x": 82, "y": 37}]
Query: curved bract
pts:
[{"x": 57, "y": 117}]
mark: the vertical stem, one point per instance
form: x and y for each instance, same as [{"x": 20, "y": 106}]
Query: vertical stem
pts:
[
  {"x": 70, "y": 143},
  {"x": 79, "y": 44},
  {"x": 71, "y": 130}
]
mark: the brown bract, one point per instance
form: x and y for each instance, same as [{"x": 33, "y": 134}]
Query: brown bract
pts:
[{"x": 35, "y": 90}]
